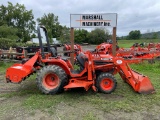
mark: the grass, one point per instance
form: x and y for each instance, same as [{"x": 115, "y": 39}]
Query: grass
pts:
[
  {"x": 122, "y": 99},
  {"x": 4, "y": 65},
  {"x": 129, "y": 43}
]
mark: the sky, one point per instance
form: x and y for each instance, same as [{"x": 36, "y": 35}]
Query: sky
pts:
[{"x": 143, "y": 15}]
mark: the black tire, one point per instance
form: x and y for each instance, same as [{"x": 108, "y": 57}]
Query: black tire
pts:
[
  {"x": 51, "y": 79},
  {"x": 106, "y": 83}
]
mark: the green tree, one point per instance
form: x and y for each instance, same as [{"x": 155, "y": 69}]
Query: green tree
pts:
[
  {"x": 8, "y": 32},
  {"x": 50, "y": 21},
  {"x": 65, "y": 35},
  {"x": 6, "y": 43},
  {"x": 33, "y": 35},
  {"x": 3, "y": 11},
  {"x": 136, "y": 34},
  {"x": 155, "y": 35},
  {"x": 98, "y": 36},
  {"x": 18, "y": 17},
  {"x": 81, "y": 36}
]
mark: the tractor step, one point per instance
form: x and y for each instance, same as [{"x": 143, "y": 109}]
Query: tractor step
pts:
[{"x": 79, "y": 84}]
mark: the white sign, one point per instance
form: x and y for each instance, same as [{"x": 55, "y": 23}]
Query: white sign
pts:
[{"x": 93, "y": 20}]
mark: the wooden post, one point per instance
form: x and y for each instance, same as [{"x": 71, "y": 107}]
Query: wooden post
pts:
[
  {"x": 10, "y": 51},
  {"x": 114, "y": 42},
  {"x": 25, "y": 53},
  {"x": 0, "y": 54},
  {"x": 72, "y": 45}
]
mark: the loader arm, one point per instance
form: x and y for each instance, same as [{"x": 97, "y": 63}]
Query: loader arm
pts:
[{"x": 139, "y": 82}]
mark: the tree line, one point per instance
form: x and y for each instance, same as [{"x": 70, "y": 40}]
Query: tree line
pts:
[
  {"x": 18, "y": 25},
  {"x": 136, "y": 34}
]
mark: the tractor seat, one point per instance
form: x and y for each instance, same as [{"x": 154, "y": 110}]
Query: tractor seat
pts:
[
  {"x": 53, "y": 52},
  {"x": 81, "y": 60}
]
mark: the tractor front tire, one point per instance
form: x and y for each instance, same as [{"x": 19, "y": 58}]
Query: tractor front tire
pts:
[
  {"x": 106, "y": 83},
  {"x": 51, "y": 79}
]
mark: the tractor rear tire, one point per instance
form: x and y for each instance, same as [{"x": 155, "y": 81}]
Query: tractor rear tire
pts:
[
  {"x": 106, "y": 83},
  {"x": 51, "y": 79}
]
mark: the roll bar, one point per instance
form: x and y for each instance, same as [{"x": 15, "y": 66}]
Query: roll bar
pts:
[{"x": 40, "y": 39}]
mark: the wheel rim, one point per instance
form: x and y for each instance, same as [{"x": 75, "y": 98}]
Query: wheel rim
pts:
[
  {"x": 106, "y": 84},
  {"x": 51, "y": 81}
]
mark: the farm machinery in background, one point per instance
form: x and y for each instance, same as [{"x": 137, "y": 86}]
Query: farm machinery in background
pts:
[
  {"x": 149, "y": 45},
  {"x": 135, "y": 52},
  {"x": 23, "y": 49},
  {"x": 20, "y": 53},
  {"x": 77, "y": 49},
  {"x": 30, "y": 49},
  {"x": 55, "y": 74},
  {"x": 139, "y": 51}
]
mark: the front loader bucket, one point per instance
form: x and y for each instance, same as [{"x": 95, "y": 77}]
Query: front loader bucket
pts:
[{"x": 141, "y": 83}]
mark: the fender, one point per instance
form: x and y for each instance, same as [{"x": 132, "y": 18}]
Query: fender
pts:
[{"x": 58, "y": 62}]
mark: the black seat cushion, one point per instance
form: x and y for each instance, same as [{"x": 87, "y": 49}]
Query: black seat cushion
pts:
[
  {"x": 81, "y": 60},
  {"x": 53, "y": 52}
]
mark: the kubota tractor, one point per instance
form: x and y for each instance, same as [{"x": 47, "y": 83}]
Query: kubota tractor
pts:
[{"x": 55, "y": 74}]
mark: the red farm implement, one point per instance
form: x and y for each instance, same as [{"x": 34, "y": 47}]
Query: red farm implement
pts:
[
  {"x": 67, "y": 47},
  {"x": 137, "y": 52}
]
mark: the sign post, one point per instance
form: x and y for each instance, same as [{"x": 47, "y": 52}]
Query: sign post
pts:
[
  {"x": 114, "y": 42},
  {"x": 72, "y": 45}
]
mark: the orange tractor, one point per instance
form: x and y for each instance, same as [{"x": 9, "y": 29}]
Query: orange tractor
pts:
[{"x": 55, "y": 74}]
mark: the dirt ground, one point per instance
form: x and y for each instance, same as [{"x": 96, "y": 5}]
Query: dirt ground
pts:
[{"x": 11, "y": 109}]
